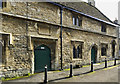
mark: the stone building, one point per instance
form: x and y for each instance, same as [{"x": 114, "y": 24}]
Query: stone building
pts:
[
  {"x": 35, "y": 34},
  {"x": 119, "y": 24},
  {"x": 119, "y": 12}
]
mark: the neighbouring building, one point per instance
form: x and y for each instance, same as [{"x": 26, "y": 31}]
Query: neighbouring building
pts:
[
  {"x": 35, "y": 34},
  {"x": 119, "y": 12},
  {"x": 119, "y": 24}
]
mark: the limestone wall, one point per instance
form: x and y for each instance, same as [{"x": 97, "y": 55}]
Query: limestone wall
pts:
[
  {"x": 88, "y": 40},
  {"x": 39, "y": 10},
  {"x": 51, "y": 13},
  {"x": 112, "y": 30},
  {"x": 13, "y": 25},
  {"x": 19, "y": 57},
  {"x": 67, "y": 18},
  {"x": 16, "y": 55},
  {"x": 96, "y": 26}
]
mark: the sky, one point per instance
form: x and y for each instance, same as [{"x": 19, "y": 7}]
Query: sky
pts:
[{"x": 108, "y": 8}]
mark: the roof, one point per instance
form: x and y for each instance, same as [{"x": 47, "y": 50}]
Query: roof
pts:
[{"x": 86, "y": 9}]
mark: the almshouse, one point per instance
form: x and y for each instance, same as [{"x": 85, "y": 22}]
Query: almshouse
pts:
[{"x": 35, "y": 34}]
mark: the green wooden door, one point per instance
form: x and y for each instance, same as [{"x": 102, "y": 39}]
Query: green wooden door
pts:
[
  {"x": 42, "y": 58},
  {"x": 93, "y": 55}
]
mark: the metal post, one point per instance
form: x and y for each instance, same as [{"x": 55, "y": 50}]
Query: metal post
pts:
[
  {"x": 105, "y": 63},
  {"x": 92, "y": 66},
  {"x": 61, "y": 10},
  {"x": 115, "y": 61},
  {"x": 45, "y": 77},
  {"x": 71, "y": 70}
]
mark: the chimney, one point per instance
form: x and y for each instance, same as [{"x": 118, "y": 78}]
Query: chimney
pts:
[
  {"x": 115, "y": 21},
  {"x": 91, "y": 2}
]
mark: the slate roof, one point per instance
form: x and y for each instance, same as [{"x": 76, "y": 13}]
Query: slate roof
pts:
[{"x": 86, "y": 8}]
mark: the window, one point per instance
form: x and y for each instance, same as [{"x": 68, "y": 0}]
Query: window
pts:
[
  {"x": 77, "y": 20},
  {"x": 103, "y": 27},
  {"x": 74, "y": 21},
  {"x": 3, "y": 4},
  {"x": 77, "y": 53},
  {"x": 4, "y": 48},
  {"x": 104, "y": 50}
]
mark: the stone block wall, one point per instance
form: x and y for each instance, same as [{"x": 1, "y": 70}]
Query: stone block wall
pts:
[
  {"x": 13, "y": 25},
  {"x": 51, "y": 13},
  {"x": 88, "y": 40},
  {"x": 16, "y": 55},
  {"x": 67, "y": 17},
  {"x": 40, "y": 10},
  {"x": 111, "y": 30}
]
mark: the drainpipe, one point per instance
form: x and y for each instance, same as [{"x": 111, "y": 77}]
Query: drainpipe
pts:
[
  {"x": 27, "y": 24},
  {"x": 61, "y": 11}
]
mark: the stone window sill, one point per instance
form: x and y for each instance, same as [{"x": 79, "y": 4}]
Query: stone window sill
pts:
[{"x": 103, "y": 56}]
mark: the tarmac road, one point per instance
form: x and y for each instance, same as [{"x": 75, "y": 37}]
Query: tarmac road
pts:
[{"x": 109, "y": 74}]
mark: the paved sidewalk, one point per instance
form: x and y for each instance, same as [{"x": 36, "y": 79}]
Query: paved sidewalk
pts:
[{"x": 59, "y": 75}]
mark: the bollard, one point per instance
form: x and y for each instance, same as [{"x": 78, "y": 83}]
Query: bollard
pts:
[
  {"x": 92, "y": 66},
  {"x": 115, "y": 61},
  {"x": 71, "y": 75},
  {"x": 45, "y": 77},
  {"x": 105, "y": 63}
]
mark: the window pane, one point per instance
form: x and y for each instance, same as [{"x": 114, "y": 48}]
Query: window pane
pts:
[
  {"x": 73, "y": 20},
  {"x": 81, "y": 51},
  {"x": 74, "y": 54},
  {"x": 77, "y": 21},
  {"x": 78, "y": 51}
]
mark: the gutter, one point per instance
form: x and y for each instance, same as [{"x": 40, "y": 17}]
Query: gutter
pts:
[{"x": 109, "y": 23}]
